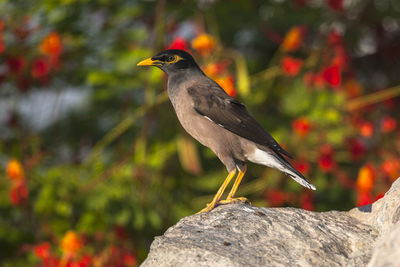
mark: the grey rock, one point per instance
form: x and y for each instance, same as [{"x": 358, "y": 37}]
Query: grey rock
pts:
[{"x": 243, "y": 235}]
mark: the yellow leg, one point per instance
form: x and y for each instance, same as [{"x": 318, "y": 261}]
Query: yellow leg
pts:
[
  {"x": 230, "y": 198},
  {"x": 218, "y": 195}
]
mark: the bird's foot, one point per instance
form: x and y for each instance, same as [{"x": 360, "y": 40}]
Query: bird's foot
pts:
[
  {"x": 230, "y": 200},
  {"x": 208, "y": 208}
]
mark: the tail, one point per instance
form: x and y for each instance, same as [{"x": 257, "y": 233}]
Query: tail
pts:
[{"x": 274, "y": 160}]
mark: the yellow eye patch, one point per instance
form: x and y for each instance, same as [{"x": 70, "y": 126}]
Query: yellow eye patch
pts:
[{"x": 176, "y": 59}]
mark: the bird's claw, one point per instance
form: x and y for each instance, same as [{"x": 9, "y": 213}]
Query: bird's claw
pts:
[
  {"x": 208, "y": 208},
  {"x": 229, "y": 200}
]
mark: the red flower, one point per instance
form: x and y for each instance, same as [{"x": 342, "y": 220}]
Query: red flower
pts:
[
  {"x": 313, "y": 79},
  {"x": 326, "y": 161},
  {"x": 85, "y": 261},
  {"x": 19, "y": 192},
  {"x": 291, "y": 66},
  {"x": 129, "y": 259},
  {"x": 332, "y": 75},
  {"x": 40, "y": 68},
  {"x": 379, "y": 196},
  {"x": 301, "y": 126},
  {"x": 2, "y": 47},
  {"x": 275, "y": 198},
  {"x": 302, "y": 166},
  {"x": 42, "y": 250},
  {"x": 120, "y": 232},
  {"x": 366, "y": 129},
  {"x": 340, "y": 58},
  {"x": 388, "y": 124},
  {"x": 179, "y": 43},
  {"x": 16, "y": 64},
  {"x": 1, "y": 37},
  {"x": 307, "y": 201},
  {"x": 391, "y": 168},
  {"x": 334, "y": 38},
  {"x": 336, "y": 5},
  {"x": 357, "y": 149},
  {"x": 300, "y": 3},
  {"x": 363, "y": 198}
]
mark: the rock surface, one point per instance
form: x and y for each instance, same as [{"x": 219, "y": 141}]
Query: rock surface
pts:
[{"x": 242, "y": 235}]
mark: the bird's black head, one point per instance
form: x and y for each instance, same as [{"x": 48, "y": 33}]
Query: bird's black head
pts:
[{"x": 171, "y": 61}]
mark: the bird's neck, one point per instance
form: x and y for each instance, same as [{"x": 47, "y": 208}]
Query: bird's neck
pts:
[{"x": 179, "y": 79}]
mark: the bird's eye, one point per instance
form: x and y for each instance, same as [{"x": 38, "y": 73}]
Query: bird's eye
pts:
[{"x": 170, "y": 58}]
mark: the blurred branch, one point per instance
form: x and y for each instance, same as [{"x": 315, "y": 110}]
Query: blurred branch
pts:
[
  {"x": 266, "y": 74},
  {"x": 123, "y": 126},
  {"x": 242, "y": 75},
  {"x": 372, "y": 98}
]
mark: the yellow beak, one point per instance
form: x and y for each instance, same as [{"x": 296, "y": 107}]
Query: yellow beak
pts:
[{"x": 150, "y": 62}]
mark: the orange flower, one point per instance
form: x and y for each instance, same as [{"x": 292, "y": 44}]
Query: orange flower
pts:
[
  {"x": 365, "y": 179},
  {"x": 366, "y": 129},
  {"x": 352, "y": 88},
  {"x": 15, "y": 170},
  {"x": 71, "y": 242},
  {"x": 301, "y": 126},
  {"x": 291, "y": 66},
  {"x": 293, "y": 39},
  {"x": 204, "y": 44},
  {"x": 51, "y": 45},
  {"x": 227, "y": 83},
  {"x": 129, "y": 259},
  {"x": 216, "y": 68},
  {"x": 388, "y": 124}
]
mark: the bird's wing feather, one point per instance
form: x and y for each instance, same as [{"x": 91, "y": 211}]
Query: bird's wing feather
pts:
[{"x": 212, "y": 102}]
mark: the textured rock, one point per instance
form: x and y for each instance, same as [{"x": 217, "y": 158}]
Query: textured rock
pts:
[
  {"x": 387, "y": 249},
  {"x": 242, "y": 235}
]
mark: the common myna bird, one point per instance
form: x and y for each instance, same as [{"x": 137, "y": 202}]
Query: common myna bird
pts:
[{"x": 219, "y": 122}]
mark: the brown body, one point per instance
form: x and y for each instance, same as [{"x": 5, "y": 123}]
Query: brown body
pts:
[{"x": 230, "y": 148}]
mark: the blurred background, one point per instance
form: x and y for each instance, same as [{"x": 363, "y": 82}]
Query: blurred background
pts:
[{"x": 94, "y": 162}]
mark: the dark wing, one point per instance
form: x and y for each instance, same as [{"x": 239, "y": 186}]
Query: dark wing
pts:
[{"x": 212, "y": 102}]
